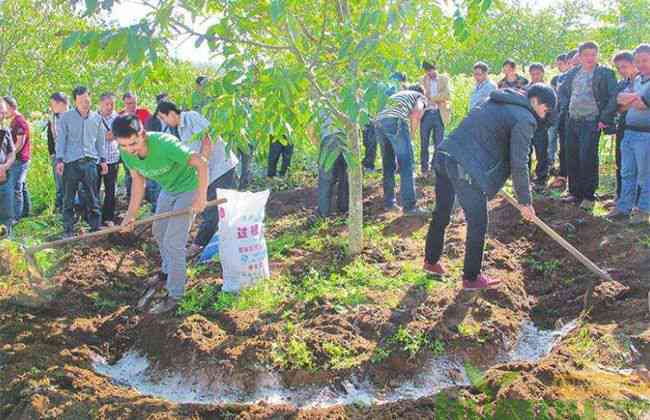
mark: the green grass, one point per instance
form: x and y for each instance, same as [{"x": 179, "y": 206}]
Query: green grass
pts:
[
  {"x": 294, "y": 354},
  {"x": 408, "y": 342},
  {"x": 340, "y": 357}
]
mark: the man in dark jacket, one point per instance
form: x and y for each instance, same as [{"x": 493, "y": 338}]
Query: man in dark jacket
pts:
[
  {"x": 474, "y": 162},
  {"x": 588, "y": 98}
]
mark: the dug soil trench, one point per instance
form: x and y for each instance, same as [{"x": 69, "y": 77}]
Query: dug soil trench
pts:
[{"x": 385, "y": 352}]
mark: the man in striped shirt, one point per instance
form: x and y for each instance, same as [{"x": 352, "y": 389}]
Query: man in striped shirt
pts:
[
  {"x": 108, "y": 115},
  {"x": 394, "y": 134}
]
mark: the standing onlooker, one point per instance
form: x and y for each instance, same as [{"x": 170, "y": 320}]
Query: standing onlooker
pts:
[
  {"x": 554, "y": 133},
  {"x": 107, "y": 114},
  {"x": 561, "y": 180},
  {"x": 80, "y": 146},
  {"x": 394, "y": 134},
  {"x": 58, "y": 105},
  {"x": 199, "y": 97},
  {"x": 20, "y": 133},
  {"x": 540, "y": 138},
  {"x": 589, "y": 91},
  {"x": 155, "y": 123},
  {"x": 331, "y": 149},
  {"x": 624, "y": 62},
  {"x": 279, "y": 149},
  {"x": 7, "y": 157},
  {"x": 131, "y": 108},
  {"x": 436, "y": 114},
  {"x": 511, "y": 79},
  {"x": 185, "y": 126},
  {"x": 635, "y": 148},
  {"x": 484, "y": 86},
  {"x": 395, "y": 83}
]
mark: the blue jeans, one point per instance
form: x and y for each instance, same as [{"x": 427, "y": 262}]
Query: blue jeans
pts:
[
  {"x": 553, "y": 138},
  {"x": 84, "y": 172},
  {"x": 151, "y": 193},
  {"x": 7, "y": 204},
  {"x": 337, "y": 175},
  {"x": 395, "y": 139},
  {"x": 22, "y": 201},
  {"x": 582, "y": 141},
  {"x": 450, "y": 183},
  {"x": 58, "y": 184},
  {"x": 431, "y": 124},
  {"x": 635, "y": 171},
  {"x": 210, "y": 216}
]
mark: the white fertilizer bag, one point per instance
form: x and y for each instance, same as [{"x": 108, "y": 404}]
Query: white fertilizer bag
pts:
[{"x": 242, "y": 247}]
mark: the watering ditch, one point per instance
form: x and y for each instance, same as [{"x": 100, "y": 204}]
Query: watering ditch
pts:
[{"x": 135, "y": 371}]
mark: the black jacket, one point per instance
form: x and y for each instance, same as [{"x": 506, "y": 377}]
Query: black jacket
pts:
[
  {"x": 604, "y": 84},
  {"x": 493, "y": 142}
]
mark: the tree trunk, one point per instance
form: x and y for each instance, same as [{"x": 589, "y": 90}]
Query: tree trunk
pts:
[{"x": 355, "y": 176}]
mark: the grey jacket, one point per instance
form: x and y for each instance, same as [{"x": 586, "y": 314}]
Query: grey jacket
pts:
[
  {"x": 79, "y": 137},
  {"x": 493, "y": 143}
]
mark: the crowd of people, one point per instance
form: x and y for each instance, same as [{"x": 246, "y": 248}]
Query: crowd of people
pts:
[{"x": 171, "y": 161}]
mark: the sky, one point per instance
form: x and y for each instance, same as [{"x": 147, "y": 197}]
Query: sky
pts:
[{"x": 129, "y": 12}]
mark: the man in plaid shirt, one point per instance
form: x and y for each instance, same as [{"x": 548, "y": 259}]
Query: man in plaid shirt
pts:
[{"x": 108, "y": 114}]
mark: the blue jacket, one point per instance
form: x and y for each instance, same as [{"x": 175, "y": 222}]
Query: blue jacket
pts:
[{"x": 493, "y": 143}]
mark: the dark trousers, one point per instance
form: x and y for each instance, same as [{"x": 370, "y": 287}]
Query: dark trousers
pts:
[
  {"x": 619, "y": 139},
  {"x": 451, "y": 183},
  {"x": 22, "y": 199},
  {"x": 210, "y": 217},
  {"x": 328, "y": 179},
  {"x": 370, "y": 146},
  {"x": 431, "y": 124},
  {"x": 7, "y": 195},
  {"x": 82, "y": 171},
  {"x": 582, "y": 141},
  {"x": 561, "y": 133},
  {"x": 109, "y": 180},
  {"x": 245, "y": 160},
  {"x": 540, "y": 146},
  {"x": 276, "y": 151}
]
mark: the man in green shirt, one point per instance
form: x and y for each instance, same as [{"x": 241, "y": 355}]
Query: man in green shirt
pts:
[{"x": 183, "y": 177}]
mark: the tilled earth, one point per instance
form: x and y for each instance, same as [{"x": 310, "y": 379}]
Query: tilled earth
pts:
[{"x": 47, "y": 348}]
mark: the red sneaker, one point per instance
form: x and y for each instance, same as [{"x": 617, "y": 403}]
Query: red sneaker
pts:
[
  {"x": 480, "y": 283},
  {"x": 434, "y": 269}
]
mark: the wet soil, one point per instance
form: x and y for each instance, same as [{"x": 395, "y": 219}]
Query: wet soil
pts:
[{"x": 47, "y": 348}]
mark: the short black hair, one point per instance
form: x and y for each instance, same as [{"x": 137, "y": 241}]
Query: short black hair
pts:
[
  {"x": 544, "y": 94},
  {"x": 623, "y": 56},
  {"x": 509, "y": 62},
  {"x": 536, "y": 66},
  {"x": 126, "y": 126},
  {"x": 562, "y": 57},
  {"x": 416, "y": 88},
  {"x": 481, "y": 66},
  {"x": 59, "y": 97},
  {"x": 78, "y": 91},
  {"x": 107, "y": 95},
  {"x": 164, "y": 107},
  {"x": 161, "y": 96},
  {"x": 571, "y": 54},
  {"x": 426, "y": 65},
  {"x": 588, "y": 45},
  {"x": 642, "y": 49},
  {"x": 11, "y": 101},
  {"x": 129, "y": 95}
]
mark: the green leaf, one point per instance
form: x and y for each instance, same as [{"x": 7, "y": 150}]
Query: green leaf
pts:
[
  {"x": 278, "y": 9},
  {"x": 71, "y": 40},
  {"x": 91, "y": 7}
]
